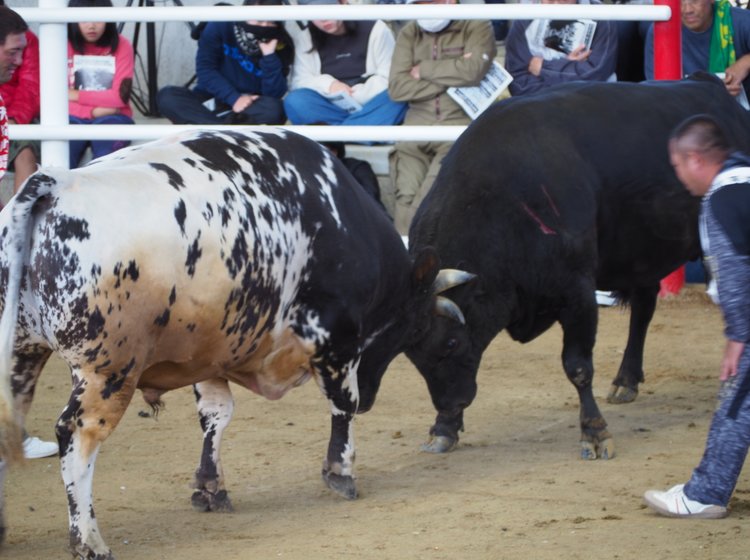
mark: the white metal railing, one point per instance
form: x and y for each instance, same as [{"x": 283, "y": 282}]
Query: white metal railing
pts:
[{"x": 52, "y": 15}]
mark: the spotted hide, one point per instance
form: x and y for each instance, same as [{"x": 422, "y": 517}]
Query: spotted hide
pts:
[{"x": 210, "y": 257}]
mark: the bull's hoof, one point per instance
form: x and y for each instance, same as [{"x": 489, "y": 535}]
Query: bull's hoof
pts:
[
  {"x": 81, "y": 551},
  {"x": 605, "y": 449},
  {"x": 204, "y": 501},
  {"x": 621, "y": 395},
  {"x": 439, "y": 444},
  {"x": 341, "y": 484}
]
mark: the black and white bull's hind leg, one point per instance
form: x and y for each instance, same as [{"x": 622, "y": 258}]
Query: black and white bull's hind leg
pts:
[
  {"x": 215, "y": 408},
  {"x": 624, "y": 387},
  {"x": 97, "y": 404},
  {"x": 579, "y": 320}
]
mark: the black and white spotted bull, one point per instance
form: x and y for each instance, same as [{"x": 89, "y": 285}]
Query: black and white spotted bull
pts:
[{"x": 204, "y": 258}]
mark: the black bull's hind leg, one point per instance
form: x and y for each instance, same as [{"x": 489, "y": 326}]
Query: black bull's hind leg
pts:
[
  {"x": 624, "y": 387},
  {"x": 579, "y": 320}
]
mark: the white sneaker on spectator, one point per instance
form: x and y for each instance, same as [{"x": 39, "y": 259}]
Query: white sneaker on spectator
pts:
[
  {"x": 35, "y": 448},
  {"x": 674, "y": 503}
]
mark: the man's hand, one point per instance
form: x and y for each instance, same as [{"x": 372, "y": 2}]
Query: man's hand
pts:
[
  {"x": 735, "y": 74},
  {"x": 535, "y": 65},
  {"x": 269, "y": 47},
  {"x": 243, "y": 102},
  {"x": 97, "y": 112},
  {"x": 579, "y": 54},
  {"x": 731, "y": 360},
  {"x": 414, "y": 72}
]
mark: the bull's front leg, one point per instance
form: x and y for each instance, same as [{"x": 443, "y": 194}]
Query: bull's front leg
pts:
[
  {"x": 338, "y": 466},
  {"x": 624, "y": 387},
  {"x": 444, "y": 433},
  {"x": 215, "y": 407},
  {"x": 578, "y": 320},
  {"x": 343, "y": 396}
]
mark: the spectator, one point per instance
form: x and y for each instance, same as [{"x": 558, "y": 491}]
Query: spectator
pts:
[
  {"x": 704, "y": 162},
  {"x": 242, "y": 70},
  {"x": 13, "y": 39},
  {"x": 431, "y": 56},
  {"x": 340, "y": 74},
  {"x": 21, "y": 96},
  {"x": 534, "y": 68},
  {"x": 100, "y": 80},
  {"x": 714, "y": 48}
]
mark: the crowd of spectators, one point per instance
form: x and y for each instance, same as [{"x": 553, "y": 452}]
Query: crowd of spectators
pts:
[{"x": 331, "y": 72}]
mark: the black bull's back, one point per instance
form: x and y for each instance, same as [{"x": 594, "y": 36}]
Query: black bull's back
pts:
[{"x": 547, "y": 198}]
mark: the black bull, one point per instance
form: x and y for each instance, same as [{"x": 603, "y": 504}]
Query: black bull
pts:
[{"x": 547, "y": 198}]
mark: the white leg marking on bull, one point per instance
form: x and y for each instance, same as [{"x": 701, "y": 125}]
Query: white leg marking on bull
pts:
[{"x": 215, "y": 407}]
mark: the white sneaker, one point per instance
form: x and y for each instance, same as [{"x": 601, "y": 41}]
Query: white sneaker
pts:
[
  {"x": 674, "y": 503},
  {"x": 35, "y": 448}
]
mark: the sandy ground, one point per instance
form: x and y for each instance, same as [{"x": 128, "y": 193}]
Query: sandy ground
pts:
[{"x": 515, "y": 488}]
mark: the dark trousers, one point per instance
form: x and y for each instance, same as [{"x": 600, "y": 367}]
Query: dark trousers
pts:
[
  {"x": 184, "y": 106},
  {"x": 99, "y": 148}
]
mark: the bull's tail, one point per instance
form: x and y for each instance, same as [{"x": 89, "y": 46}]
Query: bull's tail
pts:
[{"x": 17, "y": 249}]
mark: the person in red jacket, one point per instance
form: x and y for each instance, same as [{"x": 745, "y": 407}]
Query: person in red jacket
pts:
[{"x": 21, "y": 97}]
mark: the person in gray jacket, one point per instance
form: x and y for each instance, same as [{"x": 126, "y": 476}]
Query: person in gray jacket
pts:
[
  {"x": 705, "y": 163},
  {"x": 535, "y": 67}
]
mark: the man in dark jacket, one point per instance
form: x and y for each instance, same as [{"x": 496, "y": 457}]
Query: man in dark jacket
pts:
[{"x": 242, "y": 72}]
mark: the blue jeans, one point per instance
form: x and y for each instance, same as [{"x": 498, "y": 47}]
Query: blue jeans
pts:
[
  {"x": 305, "y": 106},
  {"x": 98, "y": 147}
]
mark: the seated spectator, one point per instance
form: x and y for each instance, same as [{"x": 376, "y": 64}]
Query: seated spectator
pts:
[
  {"x": 359, "y": 168},
  {"x": 242, "y": 70},
  {"x": 340, "y": 74},
  {"x": 707, "y": 46},
  {"x": 535, "y": 67},
  {"x": 100, "y": 80},
  {"x": 432, "y": 55},
  {"x": 21, "y": 97}
]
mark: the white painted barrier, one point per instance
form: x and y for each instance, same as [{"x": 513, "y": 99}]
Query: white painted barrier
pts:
[{"x": 52, "y": 15}]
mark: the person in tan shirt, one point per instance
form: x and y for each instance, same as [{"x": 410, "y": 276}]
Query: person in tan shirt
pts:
[{"x": 431, "y": 56}]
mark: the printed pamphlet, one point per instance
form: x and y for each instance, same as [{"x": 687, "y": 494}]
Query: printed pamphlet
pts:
[
  {"x": 475, "y": 99},
  {"x": 552, "y": 39},
  {"x": 344, "y": 101},
  {"x": 93, "y": 73}
]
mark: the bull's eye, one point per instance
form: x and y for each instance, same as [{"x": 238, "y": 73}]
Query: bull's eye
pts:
[{"x": 451, "y": 344}]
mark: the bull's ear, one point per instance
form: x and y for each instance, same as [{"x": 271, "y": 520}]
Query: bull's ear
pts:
[{"x": 425, "y": 268}]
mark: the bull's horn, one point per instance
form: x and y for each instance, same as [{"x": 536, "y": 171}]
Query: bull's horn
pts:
[
  {"x": 448, "y": 308},
  {"x": 447, "y": 278}
]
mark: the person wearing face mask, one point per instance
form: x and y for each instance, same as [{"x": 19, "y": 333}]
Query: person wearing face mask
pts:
[
  {"x": 715, "y": 38},
  {"x": 533, "y": 71},
  {"x": 432, "y": 55},
  {"x": 242, "y": 70},
  {"x": 100, "y": 79},
  {"x": 340, "y": 74}
]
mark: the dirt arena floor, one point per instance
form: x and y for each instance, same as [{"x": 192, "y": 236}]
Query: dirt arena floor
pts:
[{"x": 514, "y": 489}]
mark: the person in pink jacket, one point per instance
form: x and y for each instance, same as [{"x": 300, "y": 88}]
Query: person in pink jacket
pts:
[{"x": 100, "y": 80}]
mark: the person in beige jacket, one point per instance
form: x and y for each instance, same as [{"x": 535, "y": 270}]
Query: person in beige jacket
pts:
[{"x": 431, "y": 56}]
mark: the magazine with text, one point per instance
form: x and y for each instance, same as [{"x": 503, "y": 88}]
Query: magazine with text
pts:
[
  {"x": 93, "y": 73},
  {"x": 475, "y": 99},
  {"x": 344, "y": 101},
  {"x": 553, "y": 38}
]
